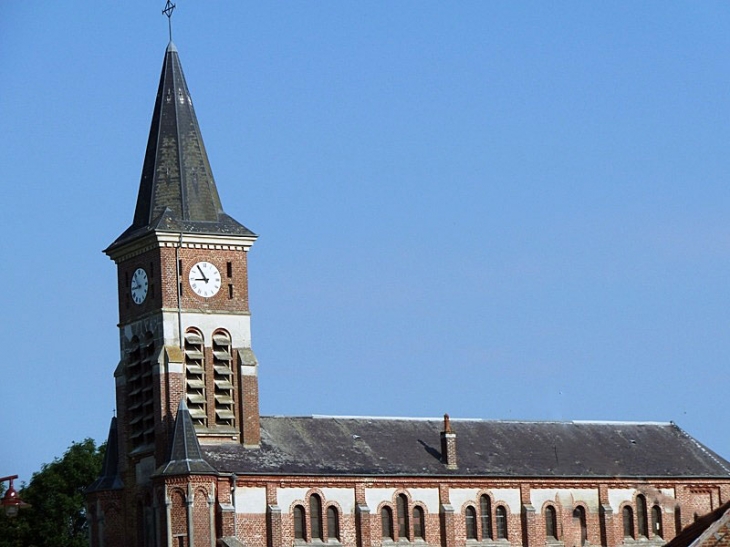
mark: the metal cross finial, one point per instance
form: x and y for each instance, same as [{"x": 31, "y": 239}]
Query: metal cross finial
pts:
[{"x": 169, "y": 8}]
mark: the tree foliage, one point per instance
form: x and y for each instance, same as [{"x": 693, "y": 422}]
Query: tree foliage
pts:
[{"x": 57, "y": 516}]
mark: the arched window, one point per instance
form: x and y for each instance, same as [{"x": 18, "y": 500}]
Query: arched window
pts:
[
  {"x": 579, "y": 522},
  {"x": 418, "y": 523},
  {"x": 298, "y": 522},
  {"x": 485, "y": 509},
  {"x": 386, "y": 522},
  {"x": 401, "y": 505},
  {"x": 195, "y": 377},
  {"x": 471, "y": 522},
  {"x": 677, "y": 520},
  {"x": 223, "y": 379},
  {"x": 333, "y": 523},
  {"x": 500, "y": 515},
  {"x": 642, "y": 516},
  {"x": 656, "y": 521},
  {"x": 628, "y": 518},
  {"x": 315, "y": 517},
  {"x": 551, "y": 523}
]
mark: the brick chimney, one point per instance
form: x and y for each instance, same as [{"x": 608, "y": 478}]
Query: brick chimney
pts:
[{"x": 448, "y": 445}]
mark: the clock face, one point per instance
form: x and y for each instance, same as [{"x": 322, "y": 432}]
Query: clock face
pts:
[
  {"x": 139, "y": 285},
  {"x": 205, "y": 279}
]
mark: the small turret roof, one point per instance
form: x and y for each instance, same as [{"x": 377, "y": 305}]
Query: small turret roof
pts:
[
  {"x": 186, "y": 458},
  {"x": 177, "y": 191},
  {"x": 109, "y": 478}
]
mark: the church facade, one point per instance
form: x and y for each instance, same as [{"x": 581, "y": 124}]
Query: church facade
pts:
[{"x": 191, "y": 463}]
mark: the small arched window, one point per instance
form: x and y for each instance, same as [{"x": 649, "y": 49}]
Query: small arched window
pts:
[
  {"x": 333, "y": 523},
  {"x": 677, "y": 520},
  {"x": 485, "y": 509},
  {"x": 386, "y": 522},
  {"x": 579, "y": 522},
  {"x": 551, "y": 523},
  {"x": 500, "y": 515},
  {"x": 418, "y": 523},
  {"x": 401, "y": 505},
  {"x": 656, "y": 521},
  {"x": 471, "y": 523},
  {"x": 298, "y": 522},
  {"x": 642, "y": 516},
  {"x": 315, "y": 517},
  {"x": 628, "y": 519}
]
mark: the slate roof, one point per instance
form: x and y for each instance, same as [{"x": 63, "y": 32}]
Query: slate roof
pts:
[
  {"x": 109, "y": 478},
  {"x": 185, "y": 455},
  {"x": 177, "y": 192},
  {"x": 348, "y": 446}
]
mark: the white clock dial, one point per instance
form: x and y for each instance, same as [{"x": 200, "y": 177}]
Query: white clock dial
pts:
[
  {"x": 139, "y": 286},
  {"x": 205, "y": 279}
]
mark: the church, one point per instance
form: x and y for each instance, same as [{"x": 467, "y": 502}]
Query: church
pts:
[{"x": 191, "y": 463}]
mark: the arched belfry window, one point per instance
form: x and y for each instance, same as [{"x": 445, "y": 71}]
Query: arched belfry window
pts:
[
  {"x": 642, "y": 516},
  {"x": 551, "y": 523},
  {"x": 315, "y": 517},
  {"x": 223, "y": 379},
  {"x": 195, "y": 377},
  {"x": 627, "y": 515},
  {"x": 401, "y": 504},
  {"x": 485, "y": 510},
  {"x": 140, "y": 394}
]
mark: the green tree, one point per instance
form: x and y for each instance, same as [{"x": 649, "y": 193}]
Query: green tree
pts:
[{"x": 57, "y": 516}]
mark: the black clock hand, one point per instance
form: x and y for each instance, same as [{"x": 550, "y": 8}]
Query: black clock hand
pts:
[{"x": 201, "y": 273}]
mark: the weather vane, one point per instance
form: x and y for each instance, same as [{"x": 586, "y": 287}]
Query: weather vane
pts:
[{"x": 169, "y": 8}]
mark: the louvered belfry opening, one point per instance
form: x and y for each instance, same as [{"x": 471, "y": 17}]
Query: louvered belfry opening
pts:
[
  {"x": 195, "y": 378},
  {"x": 223, "y": 380},
  {"x": 140, "y": 397}
]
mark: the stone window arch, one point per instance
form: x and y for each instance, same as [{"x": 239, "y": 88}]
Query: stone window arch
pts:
[
  {"x": 419, "y": 523},
  {"x": 470, "y": 518},
  {"x": 401, "y": 509},
  {"x": 579, "y": 522},
  {"x": 333, "y": 523},
  {"x": 627, "y": 516},
  {"x": 551, "y": 523},
  {"x": 500, "y": 518},
  {"x": 485, "y": 516},
  {"x": 386, "y": 523},
  {"x": 299, "y": 522},
  {"x": 657, "y": 528},
  {"x": 315, "y": 517},
  {"x": 642, "y": 517}
]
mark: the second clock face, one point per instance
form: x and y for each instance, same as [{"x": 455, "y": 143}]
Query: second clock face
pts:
[
  {"x": 205, "y": 279},
  {"x": 139, "y": 285}
]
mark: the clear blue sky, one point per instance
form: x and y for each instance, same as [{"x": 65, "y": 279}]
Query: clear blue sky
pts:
[{"x": 502, "y": 210}]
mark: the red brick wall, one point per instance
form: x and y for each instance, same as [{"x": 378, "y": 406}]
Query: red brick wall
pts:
[{"x": 161, "y": 267}]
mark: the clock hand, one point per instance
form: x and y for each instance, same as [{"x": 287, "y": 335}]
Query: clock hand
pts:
[{"x": 201, "y": 273}]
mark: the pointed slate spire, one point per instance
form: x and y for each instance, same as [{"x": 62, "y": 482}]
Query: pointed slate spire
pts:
[
  {"x": 109, "y": 478},
  {"x": 177, "y": 192},
  {"x": 186, "y": 458}
]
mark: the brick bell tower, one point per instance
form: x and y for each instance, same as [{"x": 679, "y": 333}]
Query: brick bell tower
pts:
[{"x": 184, "y": 321}]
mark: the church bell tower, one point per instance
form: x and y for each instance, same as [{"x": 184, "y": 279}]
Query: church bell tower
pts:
[{"x": 184, "y": 321}]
